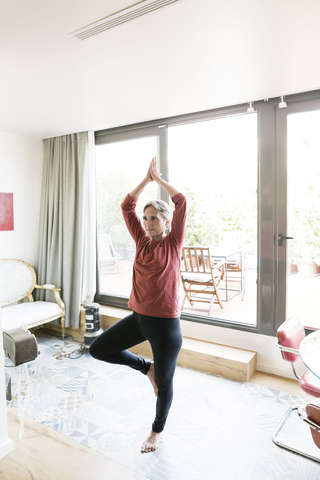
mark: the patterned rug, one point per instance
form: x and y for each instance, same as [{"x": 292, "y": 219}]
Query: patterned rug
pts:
[{"x": 217, "y": 428}]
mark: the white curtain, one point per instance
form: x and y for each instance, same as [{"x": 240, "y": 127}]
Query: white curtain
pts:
[
  {"x": 67, "y": 233},
  {"x": 89, "y": 237}
]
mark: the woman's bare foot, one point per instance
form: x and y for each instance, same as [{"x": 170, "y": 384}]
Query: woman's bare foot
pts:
[
  {"x": 152, "y": 442},
  {"x": 152, "y": 378}
]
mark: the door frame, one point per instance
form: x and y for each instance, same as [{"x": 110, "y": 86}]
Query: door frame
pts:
[{"x": 299, "y": 106}]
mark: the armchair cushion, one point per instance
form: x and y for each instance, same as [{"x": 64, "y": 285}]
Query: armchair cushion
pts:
[
  {"x": 201, "y": 277},
  {"x": 310, "y": 384},
  {"x": 29, "y": 313}
]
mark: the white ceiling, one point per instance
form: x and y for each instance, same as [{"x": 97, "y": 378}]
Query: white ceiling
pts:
[{"x": 190, "y": 56}]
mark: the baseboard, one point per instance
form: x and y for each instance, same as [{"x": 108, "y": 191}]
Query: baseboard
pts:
[
  {"x": 6, "y": 448},
  {"x": 278, "y": 371}
]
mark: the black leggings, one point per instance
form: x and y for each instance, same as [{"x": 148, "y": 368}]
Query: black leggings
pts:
[{"x": 164, "y": 335}]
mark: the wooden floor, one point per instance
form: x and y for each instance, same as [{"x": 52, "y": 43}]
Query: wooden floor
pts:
[
  {"x": 278, "y": 383},
  {"x": 44, "y": 454}
]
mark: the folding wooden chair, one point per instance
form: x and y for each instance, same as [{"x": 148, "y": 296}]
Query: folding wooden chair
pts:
[{"x": 200, "y": 277}]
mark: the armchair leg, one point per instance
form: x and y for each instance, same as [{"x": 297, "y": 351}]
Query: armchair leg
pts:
[{"x": 62, "y": 326}]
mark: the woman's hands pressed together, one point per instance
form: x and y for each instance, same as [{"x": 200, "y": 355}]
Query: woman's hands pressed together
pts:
[
  {"x": 153, "y": 170},
  {"x": 153, "y": 175}
]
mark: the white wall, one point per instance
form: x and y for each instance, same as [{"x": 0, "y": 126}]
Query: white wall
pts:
[
  {"x": 20, "y": 174},
  {"x": 6, "y": 444}
]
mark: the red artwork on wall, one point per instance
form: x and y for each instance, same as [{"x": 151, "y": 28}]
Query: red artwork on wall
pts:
[{"x": 6, "y": 211}]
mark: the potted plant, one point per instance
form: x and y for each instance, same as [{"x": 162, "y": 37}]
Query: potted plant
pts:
[
  {"x": 307, "y": 267},
  {"x": 290, "y": 266}
]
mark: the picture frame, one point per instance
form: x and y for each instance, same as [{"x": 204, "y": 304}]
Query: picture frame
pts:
[{"x": 6, "y": 212}]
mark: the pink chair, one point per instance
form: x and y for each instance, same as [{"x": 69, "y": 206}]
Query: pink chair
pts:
[
  {"x": 310, "y": 413},
  {"x": 290, "y": 334}
]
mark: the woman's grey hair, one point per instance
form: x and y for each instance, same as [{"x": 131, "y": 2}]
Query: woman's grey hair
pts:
[{"x": 162, "y": 207}]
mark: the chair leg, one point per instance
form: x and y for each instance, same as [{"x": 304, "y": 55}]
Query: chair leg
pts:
[
  {"x": 244, "y": 284},
  {"x": 218, "y": 298},
  {"x": 212, "y": 302},
  {"x": 183, "y": 300},
  {"x": 62, "y": 326},
  {"x": 210, "y": 306},
  {"x": 188, "y": 296},
  {"x": 287, "y": 447}
]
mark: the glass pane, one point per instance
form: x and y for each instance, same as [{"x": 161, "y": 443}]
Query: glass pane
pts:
[
  {"x": 120, "y": 167},
  {"x": 303, "y": 217},
  {"x": 215, "y": 164}
]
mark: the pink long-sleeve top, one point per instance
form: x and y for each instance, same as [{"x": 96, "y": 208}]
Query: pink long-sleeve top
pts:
[{"x": 156, "y": 280}]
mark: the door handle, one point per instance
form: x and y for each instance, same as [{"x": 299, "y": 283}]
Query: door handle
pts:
[{"x": 281, "y": 238}]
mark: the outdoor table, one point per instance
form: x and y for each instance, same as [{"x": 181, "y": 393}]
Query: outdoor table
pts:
[{"x": 226, "y": 254}]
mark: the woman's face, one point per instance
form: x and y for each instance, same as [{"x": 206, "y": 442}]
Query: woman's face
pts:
[{"x": 154, "y": 223}]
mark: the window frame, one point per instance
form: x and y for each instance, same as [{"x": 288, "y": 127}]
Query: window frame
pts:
[{"x": 269, "y": 139}]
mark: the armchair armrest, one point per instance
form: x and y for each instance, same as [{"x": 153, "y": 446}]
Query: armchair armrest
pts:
[
  {"x": 47, "y": 286},
  {"x": 56, "y": 291}
]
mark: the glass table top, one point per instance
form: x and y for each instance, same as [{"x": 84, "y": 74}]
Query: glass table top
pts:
[{"x": 310, "y": 352}]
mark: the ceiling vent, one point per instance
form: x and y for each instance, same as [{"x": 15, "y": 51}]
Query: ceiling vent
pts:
[{"x": 141, "y": 8}]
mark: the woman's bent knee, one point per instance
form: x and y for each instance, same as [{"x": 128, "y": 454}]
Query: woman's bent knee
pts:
[
  {"x": 102, "y": 352},
  {"x": 99, "y": 347},
  {"x": 93, "y": 350}
]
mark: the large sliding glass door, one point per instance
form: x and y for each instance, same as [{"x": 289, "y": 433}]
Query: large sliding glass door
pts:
[
  {"x": 299, "y": 213},
  {"x": 215, "y": 163},
  {"x": 251, "y": 180}
]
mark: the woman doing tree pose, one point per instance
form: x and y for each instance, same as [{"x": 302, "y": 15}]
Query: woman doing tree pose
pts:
[{"x": 154, "y": 297}]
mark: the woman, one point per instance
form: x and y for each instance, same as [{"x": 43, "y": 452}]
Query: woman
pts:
[{"x": 154, "y": 297}]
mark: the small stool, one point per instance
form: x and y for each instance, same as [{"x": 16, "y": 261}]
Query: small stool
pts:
[{"x": 20, "y": 345}]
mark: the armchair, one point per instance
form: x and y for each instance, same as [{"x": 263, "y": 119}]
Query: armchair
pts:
[{"x": 17, "y": 283}]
